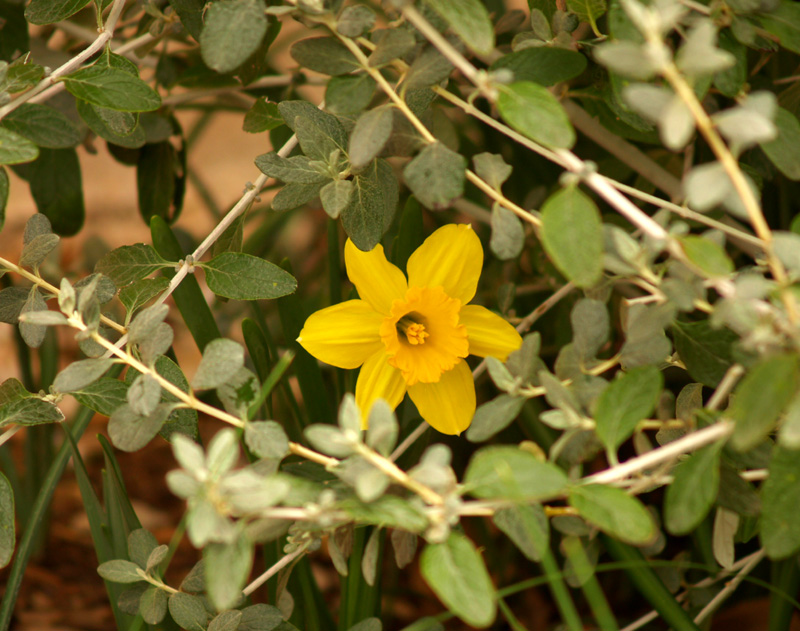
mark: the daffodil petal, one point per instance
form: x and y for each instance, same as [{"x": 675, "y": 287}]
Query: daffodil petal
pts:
[
  {"x": 343, "y": 335},
  {"x": 488, "y": 333},
  {"x": 378, "y": 380},
  {"x": 452, "y": 257},
  {"x": 376, "y": 279},
  {"x": 448, "y": 405}
]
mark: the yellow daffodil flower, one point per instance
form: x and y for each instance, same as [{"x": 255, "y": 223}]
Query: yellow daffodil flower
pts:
[{"x": 412, "y": 336}]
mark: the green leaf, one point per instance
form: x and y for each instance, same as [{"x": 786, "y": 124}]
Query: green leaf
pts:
[
  {"x": 349, "y": 94},
  {"x": 221, "y": 359},
  {"x": 326, "y": 55},
  {"x": 436, "y": 176},
  {"x": 709, "y": 257},
  {"x": 141, "y": 292},
  {"x": 508, "y": 234},
  {"x": 266, "y": 439},
  {"x": 761, "y": 397},
  {"x": 21, "y": 75},
  {"x": 335, "y": 196},
  {"x": 527, "y": 526},
  {"x": 572, "y": 235},
  {"x": 391, "y": 44},
  {"x": 120, "y": 571},
  {"x": 429, "y": 68},
  {"x": 130, "y": 263},
  {"x": 705, "y": 351},
  {"x": 512, "y": 473},
  {"x": 153, "y": 605},
  {"x": 370, "y": 134},
  {"x": 103, "y": 396},
  {"x": 113, "y": 88},
  {"x": 614, "y": 512},
  {"x": 191, "y": 14},
  {"x": 494, "y": 416},
  {"x": 263, "y": 116},
  {"x": 55, "y": 181},
  {"x": 29, "y": 411},
  {"x": 372, "y": 205},
  {"x": 693, "y": 491},
  {"x": 470, "y": 20},
  {"x": 388, "y": 512},
  {"x": 12, "y": 390},
  {"x": 543, "y": 65},
  {"x": 262, "y": 617},
  {"x": 295, "y": 169},
  {"x": 227, "y": 567},
  {"x": 119, "y": 128},
  {"x": 14, "y": 149},
  {"x": 588, "y": 11},
  {"x": 784, "y": 150},
  {"x": 241, "y": 276},
  {"x": 49, "y": 11},
  {"x": 188, "y": 611},
  {"x": 141, "y": 544},
  {"x": 355, "y": 20},
  {"x": 43, "y": 125},
  {"x": 36, "y": 250},
  {"x": 33, "y": 334},
  {"x": 457, "y": 574},
  {"x": 534, "y": 112},
  {"x": 784, "y": 22},
  {"x": 628, "y": 399},
  {"x": 590, "y": 327},
  {"x": 130, "y": 431},
  {"x": 294, "y": 195},
  {"x": 780, "y": 528},
  {"x": 78, "y": 375},
  {"x": 7, "y": 528},
  {"x": 233, "y": 30}
]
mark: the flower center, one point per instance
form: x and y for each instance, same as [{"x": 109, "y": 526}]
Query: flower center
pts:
[
  {"x": 422, "y": 334},
  {"x": 413, "y": 330}
]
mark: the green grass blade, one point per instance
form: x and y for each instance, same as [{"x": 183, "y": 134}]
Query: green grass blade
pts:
[
  {"x": 36, "y": 519},
  {"x": 650, "y": 586}
]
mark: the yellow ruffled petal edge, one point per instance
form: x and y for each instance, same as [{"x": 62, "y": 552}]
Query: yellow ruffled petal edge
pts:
[
  {"x": 343, "y": 335},
  {"x": 449, "y": 405},
  {"x": 489, "y": 335},
  {"x": 378, "y": 380},
  {"x": 452, "y": 257},
  {"x": 376, "y": 279}
]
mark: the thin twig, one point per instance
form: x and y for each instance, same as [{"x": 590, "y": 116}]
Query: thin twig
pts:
[
  {"x": 684, "y": 445},
  {"x": 71, "y": 65},
  {"x": 410, "y": 440},
  {"x": 729, "y": 588},
  {"x": 275, "y": 569},
  {"x": 9, "y": 433}
]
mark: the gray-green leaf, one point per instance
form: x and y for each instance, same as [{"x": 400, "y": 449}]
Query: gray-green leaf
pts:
[
  {"x": 242, "y": 276},
  {"x": 457, "y": 574},
  {"x": 436, "y": 176},
  {"x": 572, "y": 235},
  {"x": 113, "y": 88},
  {"x": 221, "y": 359},
  {"x": 469, "y": 19},
  {"x": 533, "y": 111},
  {"x": 614, "y": 512},
  {"x": 627, "y": 400},
  {"x": 232, "y": 31}
]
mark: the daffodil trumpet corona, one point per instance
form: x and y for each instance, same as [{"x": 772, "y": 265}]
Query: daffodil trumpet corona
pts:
[{"x": 414, "y": 335}]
